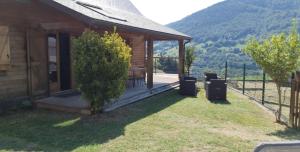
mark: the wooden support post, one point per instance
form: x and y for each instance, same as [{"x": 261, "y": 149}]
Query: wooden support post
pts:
[
  {"x": 292, "y": 103},
  {"x": 296, "y": 100},
  {"x": 181, "y": 58},
  {"x": 28, "y": 60},
  {"x": 150, "y": 64}
]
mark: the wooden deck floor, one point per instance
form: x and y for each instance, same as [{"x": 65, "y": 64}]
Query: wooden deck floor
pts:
[{"x": 76, "y": 103}]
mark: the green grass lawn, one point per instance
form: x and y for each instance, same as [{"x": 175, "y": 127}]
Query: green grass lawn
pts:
[{"x": 168, "y": 122}]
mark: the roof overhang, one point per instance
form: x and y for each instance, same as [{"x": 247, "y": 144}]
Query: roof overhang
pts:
[{"x": 92, "y": 22}]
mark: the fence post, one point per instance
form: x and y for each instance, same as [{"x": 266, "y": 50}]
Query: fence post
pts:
[
  {"x": 226, "y": 66},
  {"x": 244, "y": 78},
  {"x": 264, "y": 88},
  {"x": 292, "y": 101}
]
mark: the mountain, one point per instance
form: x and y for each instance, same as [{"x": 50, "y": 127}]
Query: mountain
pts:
[{"x": 220, "y": 31}]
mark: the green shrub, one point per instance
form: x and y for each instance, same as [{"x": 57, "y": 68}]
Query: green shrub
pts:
[
  {"x": 278, "y": 57},
  {"x": 189, "y": 58},
  {"x": 101, "y": 66}
]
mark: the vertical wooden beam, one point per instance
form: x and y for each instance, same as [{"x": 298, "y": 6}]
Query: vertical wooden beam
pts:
[
  {"x": 150, "y": 64},
  {"x": 296, "y": 101},
  {"x": 292, "y": 103},
  {"x": 297, "y": 104},
  {"x": 28, "y": 60},
  {"x": 58, "y": 67},
  {"x": 48, "y": 68},
  {"x": 181, "y": 58}
]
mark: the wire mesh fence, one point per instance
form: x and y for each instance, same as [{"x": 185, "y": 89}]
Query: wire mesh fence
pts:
[
  {"x": 249, "y": 79},
  {"x": 254, "y": 83}
]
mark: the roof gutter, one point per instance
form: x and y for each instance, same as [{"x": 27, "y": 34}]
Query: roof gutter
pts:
[{"x": 187, "y": 42}]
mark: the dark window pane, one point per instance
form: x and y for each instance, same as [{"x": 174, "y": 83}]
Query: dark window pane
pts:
[{"x": 52, "y": 58}]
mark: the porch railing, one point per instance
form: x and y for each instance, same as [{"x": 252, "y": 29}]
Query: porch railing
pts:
[{"x": 165, "y": 65}]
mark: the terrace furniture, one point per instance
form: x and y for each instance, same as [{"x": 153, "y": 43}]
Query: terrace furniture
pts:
[
  {"x": 216, "y": 89},
  {"x": 140, "y": 76},
  {"x": 136, "y": 76},
  {"x": 208, "y": 77},
  {"x": 131, "y": 80},
  {"x": 188, "y": 86}
]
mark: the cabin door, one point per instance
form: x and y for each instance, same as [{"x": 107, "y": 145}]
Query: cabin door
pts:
[
  {"x": 65, "y": 61},
  {"x": 59, "y": 62},
  {"x": 38, "y": 58}
]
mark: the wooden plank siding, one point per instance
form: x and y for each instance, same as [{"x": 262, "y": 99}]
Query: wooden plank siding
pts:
[
  {"x": 13, "y": 82},
  {"x": 138, "y": 51},
  {"x": 40, "y": 20}
]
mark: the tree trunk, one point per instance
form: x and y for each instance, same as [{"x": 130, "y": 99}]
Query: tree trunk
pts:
[{"x": 278, "y": 113}]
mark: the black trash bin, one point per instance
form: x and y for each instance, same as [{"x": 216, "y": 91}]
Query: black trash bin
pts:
[
  {"x": 188, "y": 86},
  {"x": 208, "y": 77},
  {"x": 216, "y": 89}
]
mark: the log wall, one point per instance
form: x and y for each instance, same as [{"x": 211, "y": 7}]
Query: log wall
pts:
[
  {"x": 138, "y": 51},
  {"x": 39, "y": 20},
  {"x": 13, "y": 82}
]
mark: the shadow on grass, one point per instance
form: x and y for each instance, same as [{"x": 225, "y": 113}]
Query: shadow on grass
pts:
[
  {"x": 288, "y": 134},
  {"x": 51, "y": 131},
  {"x": 225, "y": 102}
]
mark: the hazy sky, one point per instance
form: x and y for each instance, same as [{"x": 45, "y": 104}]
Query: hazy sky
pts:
[{"x": 166, "y": 11}]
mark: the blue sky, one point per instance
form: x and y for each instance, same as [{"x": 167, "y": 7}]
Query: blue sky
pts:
[{"x": 166, "y": 11}]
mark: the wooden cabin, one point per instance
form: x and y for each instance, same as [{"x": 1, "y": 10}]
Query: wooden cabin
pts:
[{"x": 35, "y": 41}]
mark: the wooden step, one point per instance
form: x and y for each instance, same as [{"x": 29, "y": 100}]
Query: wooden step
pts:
[{"x": 83, "y": 111}]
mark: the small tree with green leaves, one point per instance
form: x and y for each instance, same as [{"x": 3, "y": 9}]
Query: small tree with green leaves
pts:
[
  {"x": 278, "y": 57},
  {"x": 101, "y": 66},
  {"x": 189, "y": 58}
]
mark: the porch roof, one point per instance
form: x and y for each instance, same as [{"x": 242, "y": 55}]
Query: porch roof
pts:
[{"x": 121, "y": 13}]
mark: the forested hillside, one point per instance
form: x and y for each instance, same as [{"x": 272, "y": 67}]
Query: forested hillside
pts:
[{"x": 220, "y": 31}]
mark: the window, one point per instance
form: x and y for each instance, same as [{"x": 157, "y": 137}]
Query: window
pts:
[
  {"x": 52, "y": 47},
  {"x": 4, "y": 48}
]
